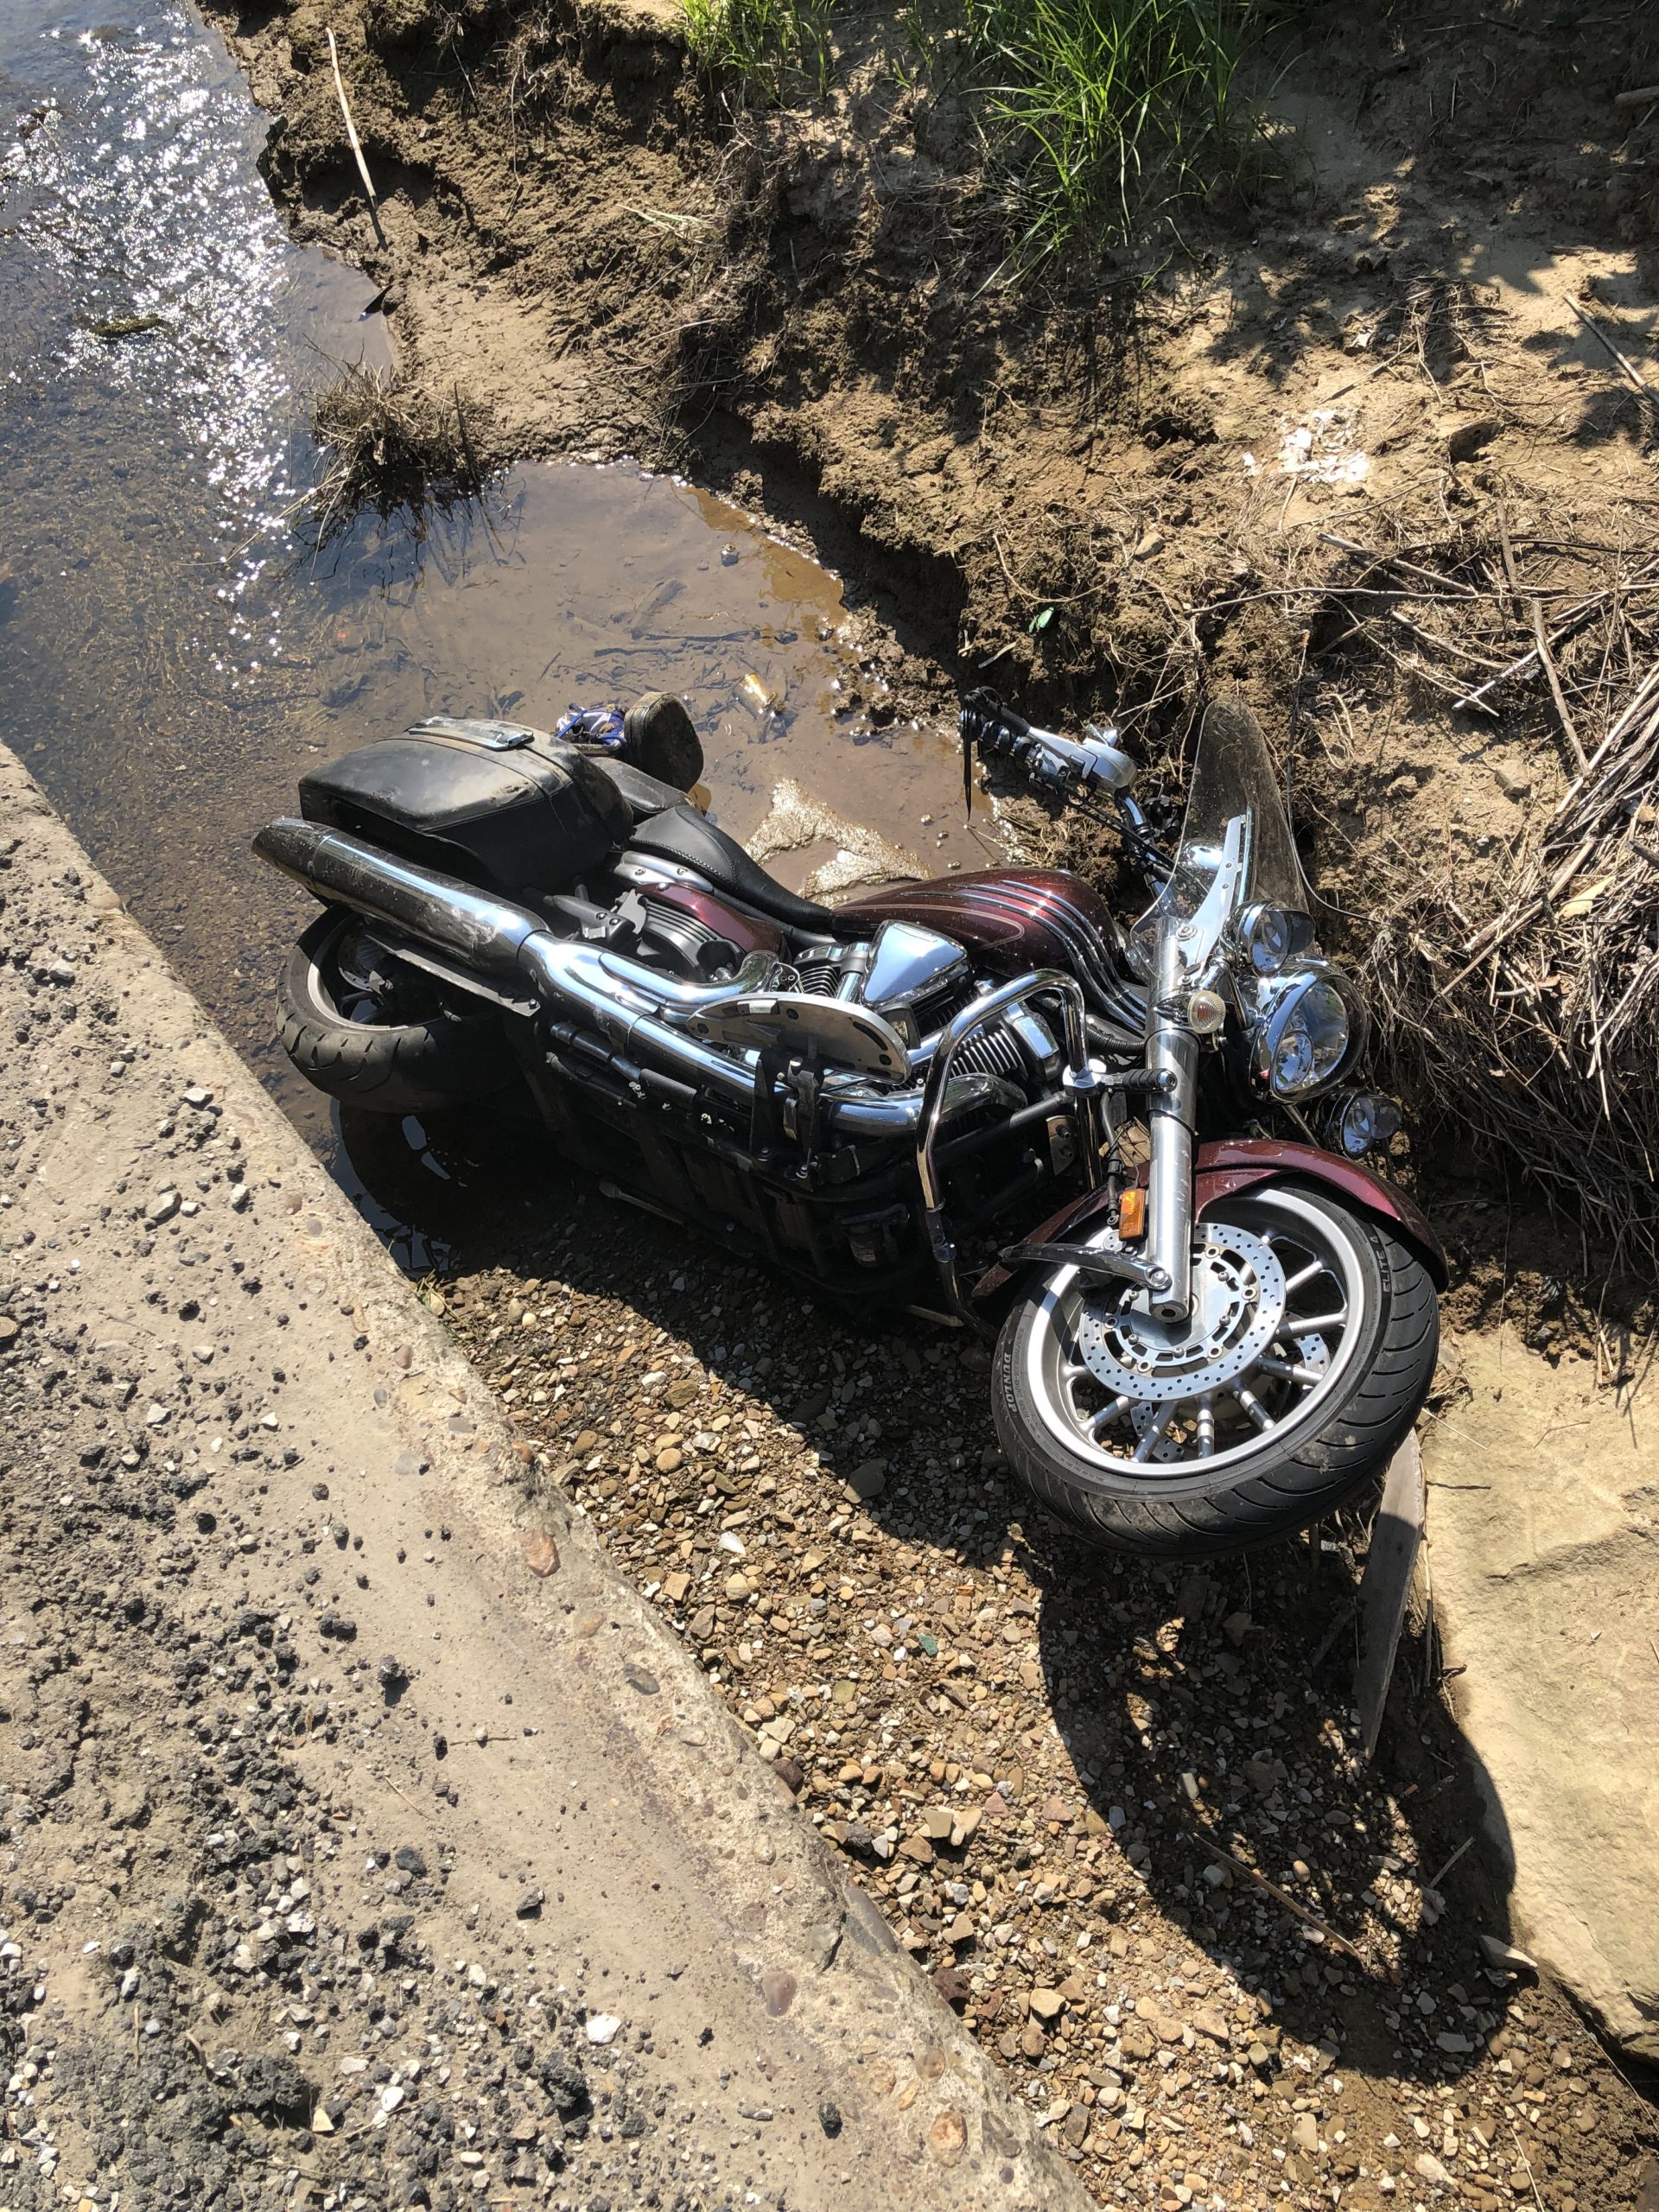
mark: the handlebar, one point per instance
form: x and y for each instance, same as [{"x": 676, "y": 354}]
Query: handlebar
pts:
[{"x": 1063, "y": 764}]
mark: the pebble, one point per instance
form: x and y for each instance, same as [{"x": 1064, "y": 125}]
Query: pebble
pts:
[
  {"x": 869, "y": 1480},
  {"x": 1006, "y": 1743}
]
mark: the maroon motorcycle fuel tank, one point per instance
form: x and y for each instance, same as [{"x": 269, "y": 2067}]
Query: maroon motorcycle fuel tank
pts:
[{"x": 1014, "y": 919}]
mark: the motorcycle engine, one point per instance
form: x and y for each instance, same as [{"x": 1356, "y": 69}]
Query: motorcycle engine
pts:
[
  {"x": 914, "y": 978},
  {"x": 920, "y": 981}
]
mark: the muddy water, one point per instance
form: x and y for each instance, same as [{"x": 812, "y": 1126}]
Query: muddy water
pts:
[
  {"x": 589, "y": 585},
  {"x": 173, "y": 654}
]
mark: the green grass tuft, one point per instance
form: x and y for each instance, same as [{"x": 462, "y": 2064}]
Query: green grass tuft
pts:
[
  {"x": 1098, "y": 114},
  {"x": 776, "y": 47},
  {"x": 1107, "y": 111}
]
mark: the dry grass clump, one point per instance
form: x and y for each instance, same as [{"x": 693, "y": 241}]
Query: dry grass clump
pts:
[
  {"x": 392, "y": 444},
  {"x": 1542, "y": 1025},
  {"x": 1521, "y": 1003}
]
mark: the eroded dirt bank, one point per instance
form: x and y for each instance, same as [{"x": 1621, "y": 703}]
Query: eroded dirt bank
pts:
[
  {"x": 363, "y": 1841},
  {"x": 1337, "y": 453}
]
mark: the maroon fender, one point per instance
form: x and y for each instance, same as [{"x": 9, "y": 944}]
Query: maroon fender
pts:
[
  {"x": 1235, "y": 1164},
  {"x": 1014, "y": 919}
]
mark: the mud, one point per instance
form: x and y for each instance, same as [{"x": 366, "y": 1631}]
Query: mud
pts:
[{"x": 1106, "y": 493}]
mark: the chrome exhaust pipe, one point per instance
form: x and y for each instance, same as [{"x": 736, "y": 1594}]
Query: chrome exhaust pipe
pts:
[
  {"x": 620, "y": 998},
  {"x": 476, "y": 931}
]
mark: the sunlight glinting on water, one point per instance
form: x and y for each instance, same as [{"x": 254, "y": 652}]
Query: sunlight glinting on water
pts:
[{"x": 140, "y": 196}]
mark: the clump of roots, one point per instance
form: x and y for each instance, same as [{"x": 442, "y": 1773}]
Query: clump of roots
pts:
[
  {"x": 1521, "y": 995},
  {"x": 393, "y": 444}
]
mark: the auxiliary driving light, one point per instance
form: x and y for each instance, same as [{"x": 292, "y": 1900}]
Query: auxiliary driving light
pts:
[
  {"x": 1361, "y": 1121},
  {"x": 1269, "y": 936}
]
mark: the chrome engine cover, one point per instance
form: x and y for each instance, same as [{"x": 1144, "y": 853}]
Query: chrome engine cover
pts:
[
  {"x": 836, "y": 1032},
  {"x": 911, "y": 967}
]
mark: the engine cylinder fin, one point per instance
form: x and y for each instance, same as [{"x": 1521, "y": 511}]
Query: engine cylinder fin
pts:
[
  {"x": 995, "y": 1051},
  {"x": 820, "y": 977}
]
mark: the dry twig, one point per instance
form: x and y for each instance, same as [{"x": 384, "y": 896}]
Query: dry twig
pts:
[
  {"x": 356, "y": 143},
  {"x": 1623, "y": 359}
]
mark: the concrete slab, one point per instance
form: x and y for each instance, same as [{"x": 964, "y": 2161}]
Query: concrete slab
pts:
[
  {"x": 236, "y": 1414},
  {"x": 1543, "y": 1546}
]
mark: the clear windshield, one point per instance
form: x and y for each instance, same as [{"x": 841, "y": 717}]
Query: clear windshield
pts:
[{"x": 1235, "y": 845}]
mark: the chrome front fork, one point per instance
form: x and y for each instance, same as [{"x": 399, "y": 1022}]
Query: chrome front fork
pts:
[{"x": 1172, "y": 1054}]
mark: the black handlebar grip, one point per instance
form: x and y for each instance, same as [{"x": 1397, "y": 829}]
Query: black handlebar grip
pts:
[{"x": 986, "y": 721}]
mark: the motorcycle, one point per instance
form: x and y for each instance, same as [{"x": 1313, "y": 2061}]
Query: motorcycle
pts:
[{"x": 1223, "y": 1326}]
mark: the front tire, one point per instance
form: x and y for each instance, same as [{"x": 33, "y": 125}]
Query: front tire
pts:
[
  {"x": 1308, "y": 1357},
  {"x": 378, "y": 1034}
]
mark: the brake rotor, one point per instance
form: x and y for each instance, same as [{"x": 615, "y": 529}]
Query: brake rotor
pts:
[
  {"x": 1168, "y": 1448},
  {"x": 1237, "y": 1306}
]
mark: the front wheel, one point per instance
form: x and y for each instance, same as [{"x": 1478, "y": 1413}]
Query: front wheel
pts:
[{"x": 1302, "y": 1365}]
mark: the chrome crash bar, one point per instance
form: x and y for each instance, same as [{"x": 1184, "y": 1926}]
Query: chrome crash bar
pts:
[{"x": 1079, "y": 1079}]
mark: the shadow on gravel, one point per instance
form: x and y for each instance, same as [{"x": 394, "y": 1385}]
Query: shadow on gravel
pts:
[
  {"x": 1201, "y": 1707},
  {"x": 1152, "y": 1747},
  {"x": 1208, "y": 1713}
]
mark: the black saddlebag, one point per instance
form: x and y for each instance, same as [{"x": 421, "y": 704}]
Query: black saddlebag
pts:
[{"x": 509, "y": 809}]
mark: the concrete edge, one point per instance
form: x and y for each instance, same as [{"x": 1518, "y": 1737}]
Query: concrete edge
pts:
[{"x": 829, "y": 1956}]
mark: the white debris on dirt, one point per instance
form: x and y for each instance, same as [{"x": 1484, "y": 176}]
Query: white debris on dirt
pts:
[{"x": 796, "y": 821}]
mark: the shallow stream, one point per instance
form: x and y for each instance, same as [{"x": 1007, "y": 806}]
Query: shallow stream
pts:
[{"x": 174, "y": 653}]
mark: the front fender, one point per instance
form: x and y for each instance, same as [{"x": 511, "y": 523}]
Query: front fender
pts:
[{"x": 1235, "y": 1164}]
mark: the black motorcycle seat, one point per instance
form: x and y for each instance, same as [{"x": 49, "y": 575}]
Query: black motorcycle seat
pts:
[
  {"x": 645, "y": 795},
  {"x": 683, "y": 834}
]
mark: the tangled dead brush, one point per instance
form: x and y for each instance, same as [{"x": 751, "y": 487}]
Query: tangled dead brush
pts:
[
  {"x": 392, "y": 444},
  {"x": 1526, "y": 1006},
  {"x": 1545, "y": 1020}
]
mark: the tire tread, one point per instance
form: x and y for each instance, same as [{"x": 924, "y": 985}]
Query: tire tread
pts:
[
  {"x": 413, "y": 1068},
  {"x": 1361, "y": 1435}
]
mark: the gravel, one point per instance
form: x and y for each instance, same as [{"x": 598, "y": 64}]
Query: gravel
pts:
[
  {"x": 289, "y": 2008},
  {"x": 1063, "y": 1780}
]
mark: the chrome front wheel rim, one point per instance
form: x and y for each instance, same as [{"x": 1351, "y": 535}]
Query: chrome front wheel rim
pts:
[{"x": 1277, "y": 1322}]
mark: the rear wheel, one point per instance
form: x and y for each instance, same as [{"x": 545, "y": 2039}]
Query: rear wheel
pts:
[
  {"x": 1306, "y": 1356},
  {"x": 379, "y": 1033}
]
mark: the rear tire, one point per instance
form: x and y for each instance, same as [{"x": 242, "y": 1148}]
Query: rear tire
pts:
[
  {"x": 1261, "y": 1488},
  {"x": 408, "y": 1047}
]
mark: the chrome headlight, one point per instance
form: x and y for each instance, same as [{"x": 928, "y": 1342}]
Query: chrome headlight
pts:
[
  {"x": 1308, "y": 1027},
  {"x": 1270, "y": 937}
]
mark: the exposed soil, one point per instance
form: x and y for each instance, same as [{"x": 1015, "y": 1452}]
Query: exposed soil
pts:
[{"x": 1202, "y": 463}]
